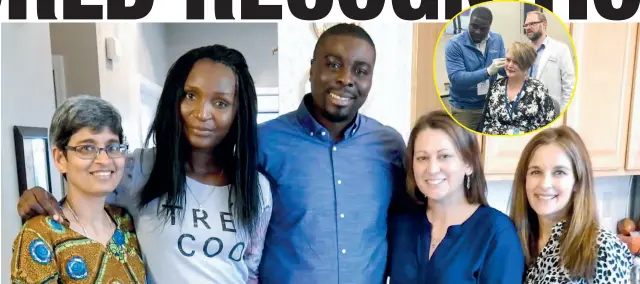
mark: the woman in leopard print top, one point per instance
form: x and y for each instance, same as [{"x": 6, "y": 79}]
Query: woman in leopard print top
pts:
[{"x": 553, "y": 206}]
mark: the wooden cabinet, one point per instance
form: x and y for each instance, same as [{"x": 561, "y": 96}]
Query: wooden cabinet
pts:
[
  {"x": 632, "y": 165},
  {"x": 633, "y": 142},
  {"x": 605, "y": 110},
  {"x": 501, "y": 154},
  {"x": 599, "y": 111},
  {"x": 424, "y": 97}
]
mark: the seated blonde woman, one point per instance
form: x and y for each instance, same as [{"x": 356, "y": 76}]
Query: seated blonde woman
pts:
[
  {"x": 517, "y": 104},
  {"x": 98, "y": 244},
  {"x": 554, "y": 208}
]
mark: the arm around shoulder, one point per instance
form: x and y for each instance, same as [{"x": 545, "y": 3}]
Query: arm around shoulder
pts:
[
  {"x": 399, "y": 197},
  {"x": 253, "y": 253},
  {"x": 138, "y": 166}
]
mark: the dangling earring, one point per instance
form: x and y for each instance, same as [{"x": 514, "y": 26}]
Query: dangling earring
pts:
[
  {"x": 468, "y": 177},
  {"x": 234, "y": 149}
]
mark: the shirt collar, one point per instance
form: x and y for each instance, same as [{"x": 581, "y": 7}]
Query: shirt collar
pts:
[
  {"x": 314, "y": 128},
  {"x": 544, "y": 43}
]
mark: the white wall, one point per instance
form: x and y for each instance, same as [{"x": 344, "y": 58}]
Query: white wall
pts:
[
  {"x": 87, "y": 70},
  {"x": 153, "y": 61},
  {"x": 27, "y": 100},
  {"x": 389, "y": 100},
  {"x": 255, "y": 41},
  {"x": 507, "y": 21},
  {"x": 119, "y": 83}
]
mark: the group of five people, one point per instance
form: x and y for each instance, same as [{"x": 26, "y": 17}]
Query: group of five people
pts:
[{"x": 322, "y": 194}]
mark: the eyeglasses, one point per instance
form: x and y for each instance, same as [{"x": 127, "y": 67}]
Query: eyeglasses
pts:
[
  {"x": 90, "y": 152},
  {"x": 531, "y": 24}
]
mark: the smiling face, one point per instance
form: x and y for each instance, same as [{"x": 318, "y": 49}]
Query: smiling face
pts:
[
  {"x": 438, "y": 167},
  {"x": 340, "y": 77},
  {"x": 209, "y": 104},
  {"x": 550, "y": 182},
  {"x": 85, "y": 172}
]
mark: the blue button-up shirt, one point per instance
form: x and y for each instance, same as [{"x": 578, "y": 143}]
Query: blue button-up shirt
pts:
[{"x": 330, "y": 200}]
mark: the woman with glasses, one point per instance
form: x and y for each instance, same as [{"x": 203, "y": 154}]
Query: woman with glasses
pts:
[
  {"x": 200, "y": 206},
  {"x": 99, "y": 242}
]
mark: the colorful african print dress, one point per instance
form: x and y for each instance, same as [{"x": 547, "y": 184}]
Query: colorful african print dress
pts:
[{"x": 47, "y": 252}]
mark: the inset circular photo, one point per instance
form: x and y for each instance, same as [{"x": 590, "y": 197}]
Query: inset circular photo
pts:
[{"x": 505, "y": 68}]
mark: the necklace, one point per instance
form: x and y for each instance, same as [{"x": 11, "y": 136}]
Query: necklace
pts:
[
  {"x": 78, "y": 220},
  {"x": 196, "y": 199},
  {"x": 434, "y": 243}
]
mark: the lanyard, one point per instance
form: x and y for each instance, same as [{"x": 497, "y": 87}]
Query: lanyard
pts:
[{"x": 511, "y": 110}]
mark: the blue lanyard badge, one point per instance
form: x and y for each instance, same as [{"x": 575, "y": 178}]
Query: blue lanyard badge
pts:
[{"x": 511, "y": 108}]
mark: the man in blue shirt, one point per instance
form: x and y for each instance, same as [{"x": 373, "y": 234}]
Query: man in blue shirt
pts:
[
  {"x": 473, "y": 58},
  {"x": 333, "y": 172}
]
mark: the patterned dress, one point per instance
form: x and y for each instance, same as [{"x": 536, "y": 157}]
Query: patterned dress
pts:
[
  {"x": 534, "y": 109},
  {"x": 47, "y": 252},
  {"x": 613, "y": 264}
]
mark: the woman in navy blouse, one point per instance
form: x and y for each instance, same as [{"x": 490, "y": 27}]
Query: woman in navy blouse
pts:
[{"x": 454, "y": 236}]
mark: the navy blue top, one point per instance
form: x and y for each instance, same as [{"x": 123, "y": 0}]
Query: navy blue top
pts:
[
  {"x": 330, "y": 200},
  {"x": 483, "y": 249}
]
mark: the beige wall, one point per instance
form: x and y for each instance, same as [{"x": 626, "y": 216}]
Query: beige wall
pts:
[
  {"x": 389, "y": 100},
  {"x": 76, "y": 42},
  {"x": 507, "y": 21},
  {"x": 119, "y": 83}
]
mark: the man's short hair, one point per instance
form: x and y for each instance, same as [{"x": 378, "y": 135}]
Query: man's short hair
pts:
[
  {"x": 541, "y": 16},
  {"x": 344, "y": 29},
  {"x": 482, "y": 13}
]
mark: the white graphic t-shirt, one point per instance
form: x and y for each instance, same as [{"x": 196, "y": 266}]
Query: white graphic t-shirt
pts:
[{"x": 200, "y": 243}]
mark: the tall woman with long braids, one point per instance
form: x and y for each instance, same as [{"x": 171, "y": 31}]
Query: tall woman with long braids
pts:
[
  {"x": 553, "y": 205},
  {"x": 199, "y": 204}
]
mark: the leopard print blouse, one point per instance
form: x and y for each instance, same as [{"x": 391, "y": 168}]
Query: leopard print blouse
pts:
[
  {"x": 535, "y": 108},
  {"x": 613, "y": 264}
]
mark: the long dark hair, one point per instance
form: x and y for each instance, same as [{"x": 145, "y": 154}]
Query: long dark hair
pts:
[{"x": 238, "y": 150}]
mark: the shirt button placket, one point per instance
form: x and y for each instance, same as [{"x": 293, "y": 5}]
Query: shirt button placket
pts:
[{"x": 343, "y": 251}]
